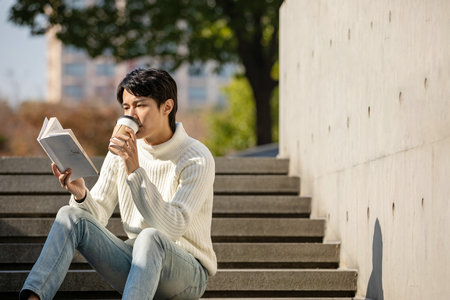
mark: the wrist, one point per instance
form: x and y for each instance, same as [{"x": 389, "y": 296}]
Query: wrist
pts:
[
  {"x": 132, "y": 170},
  {"x": 82, "y": 199}
]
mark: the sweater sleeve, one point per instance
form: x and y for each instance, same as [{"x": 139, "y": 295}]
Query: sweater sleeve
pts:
[
  {"x": 172, "y": 218},
  {"x": 102, "y": 199}
]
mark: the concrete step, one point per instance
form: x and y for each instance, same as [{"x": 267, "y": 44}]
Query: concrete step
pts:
[
  {"x": 224, "y": 184},
  {"x": 278, "y": 255},
  {"x": 72, "y": 295},
  {"x": 267, "y": 229},
  {"x": 224, "y": 165},
  {"x": 229, "y": 205},
  {"x": 294, "y": 282},
  {"x": 226, "y": 283},
  {"x": 224, "y": 205},
  {"x": 266, "y": 247},
  {"x": 223, "y": 229},
  {"x": 257, "y": 184},
  {"x": 229, "y": 255}
]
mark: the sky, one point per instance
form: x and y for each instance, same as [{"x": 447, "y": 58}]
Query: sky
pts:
[{"x": 22, "y": 61}]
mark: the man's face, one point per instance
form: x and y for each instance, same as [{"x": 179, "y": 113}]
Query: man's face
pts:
[{"x": 153, "y": 120}]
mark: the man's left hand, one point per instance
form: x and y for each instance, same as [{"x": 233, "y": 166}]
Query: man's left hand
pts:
[{"x": 125, "y": 146}]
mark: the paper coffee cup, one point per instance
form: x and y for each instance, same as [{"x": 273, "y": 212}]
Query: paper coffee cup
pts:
[{"x": 122, "y": 123}]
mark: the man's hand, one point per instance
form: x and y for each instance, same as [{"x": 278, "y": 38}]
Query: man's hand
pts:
[
  {"x": 125, "y": 146},
  {"x": 76, "y": 187}
]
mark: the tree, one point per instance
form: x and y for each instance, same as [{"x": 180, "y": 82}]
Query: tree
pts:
[
  {"x": 174, "y": 31},
  {"x": 233, "y": 129}
]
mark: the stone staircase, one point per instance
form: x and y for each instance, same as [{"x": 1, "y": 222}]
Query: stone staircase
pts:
[{"x": 266, "y": 244}]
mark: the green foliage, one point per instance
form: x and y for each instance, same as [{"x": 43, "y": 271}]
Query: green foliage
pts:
[
  {"x": 209, "y": 29},
  {"x": 3, "y": 142},
  {"x": 274, "y": 103},
  {"x": 233, "y": 129},
  {"x": 170, "y": 31}
]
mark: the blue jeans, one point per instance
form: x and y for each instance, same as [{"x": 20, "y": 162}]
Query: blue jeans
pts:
[{"x": 154, "y": 268}]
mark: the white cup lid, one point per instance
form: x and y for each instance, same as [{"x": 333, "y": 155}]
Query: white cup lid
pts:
[{"x": 129, "y": 122}]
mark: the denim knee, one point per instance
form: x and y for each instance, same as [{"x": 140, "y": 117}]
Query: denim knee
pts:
[
  {"x": 70, "y": 215},
  {"x": 151, "y": 236},
  {"x": 70, "y": 212}
]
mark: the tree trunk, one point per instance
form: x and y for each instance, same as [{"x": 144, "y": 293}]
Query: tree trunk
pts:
[
  {"x": 262, "y": 92},
  {"x": 258, "y": 62},
  {"x": 257, "y": 71}
]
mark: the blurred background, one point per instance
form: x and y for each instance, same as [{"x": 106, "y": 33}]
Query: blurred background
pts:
[{"x": 65, "y": 58}]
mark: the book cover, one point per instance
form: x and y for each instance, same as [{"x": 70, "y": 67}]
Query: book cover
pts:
[{"x": 63, "y": 148}]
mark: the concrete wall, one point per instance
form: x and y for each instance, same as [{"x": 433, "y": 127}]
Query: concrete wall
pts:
[{"x": 365, "y": 121}]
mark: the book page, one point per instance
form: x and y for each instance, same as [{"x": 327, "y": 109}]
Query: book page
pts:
[
  {"x": 63, "y": 148},
  {"x": 70, "y": 156},
  {"x": 50, "y": 153},
  {"x": 44, "y": 126},
  {"x": 75, "y": 140},
  {"x": 53, "y": 126}
]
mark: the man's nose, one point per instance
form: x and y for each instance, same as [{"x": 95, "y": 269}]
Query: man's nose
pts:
[{"x": 132, "y": 112}]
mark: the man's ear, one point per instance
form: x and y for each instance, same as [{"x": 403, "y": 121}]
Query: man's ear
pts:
[{"x": 168, "y": 106}]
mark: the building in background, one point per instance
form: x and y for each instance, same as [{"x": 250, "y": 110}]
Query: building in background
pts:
[{"x": 74, "y": 77}]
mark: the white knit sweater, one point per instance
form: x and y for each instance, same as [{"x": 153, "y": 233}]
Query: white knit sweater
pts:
[{"x": 171, "y": 191}]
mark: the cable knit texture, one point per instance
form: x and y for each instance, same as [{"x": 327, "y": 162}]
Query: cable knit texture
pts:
[{"x": 171, "y": 191}]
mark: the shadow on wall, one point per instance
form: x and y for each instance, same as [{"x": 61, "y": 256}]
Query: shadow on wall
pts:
[{"x": 375, "y": 285}]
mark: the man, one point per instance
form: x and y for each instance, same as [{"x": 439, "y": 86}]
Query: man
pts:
[{"x": 162, "y": 180}]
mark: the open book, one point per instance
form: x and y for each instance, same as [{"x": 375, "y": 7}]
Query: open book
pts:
[{"x": 63, "y": 148}]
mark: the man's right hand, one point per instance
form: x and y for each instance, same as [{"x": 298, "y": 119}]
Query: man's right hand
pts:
[{"x": 76, "y": 187}]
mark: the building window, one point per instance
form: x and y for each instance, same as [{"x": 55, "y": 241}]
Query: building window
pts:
[
  {"x": 73, "y": 91},
  {"x": 227, "y": 71},
  {"x": 75, "y": 69},
  {"x": 73, "y": 50},
  {"x": 196, "y": 70},
  {"x": 105, "y": 69},
  {"x": 105, "y": 92},
  {"x": 197, "y": 94}
]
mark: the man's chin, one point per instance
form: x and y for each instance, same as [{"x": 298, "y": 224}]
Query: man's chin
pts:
[{"x": 140, "y": 135}]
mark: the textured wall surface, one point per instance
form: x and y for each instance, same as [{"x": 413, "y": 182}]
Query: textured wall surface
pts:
[{"x": 365, "y": 121}]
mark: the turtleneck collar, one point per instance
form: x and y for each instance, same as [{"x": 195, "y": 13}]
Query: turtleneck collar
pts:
[{"x": 167, "y": 148}]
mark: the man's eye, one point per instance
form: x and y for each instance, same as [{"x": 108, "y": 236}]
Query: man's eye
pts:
[{"x": 125, "y": 108}]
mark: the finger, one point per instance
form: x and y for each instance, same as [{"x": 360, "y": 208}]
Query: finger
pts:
[
  {"x": 55, "y": 170},
  {"x": 117, "y": 144},
  {"x": 116, "y": 149},
  {"x": 67, "y": 178},
  {"x": 132, "y": 135},
  {"x": 62, "y": 179},
  {"x": 120, "y": 140},
  {"x": 122, "y": 137}
]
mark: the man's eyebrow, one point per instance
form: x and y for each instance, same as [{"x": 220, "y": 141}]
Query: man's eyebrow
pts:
[
  {"x": 141, "y": 100},
  {"x": 137, "y": 101}
]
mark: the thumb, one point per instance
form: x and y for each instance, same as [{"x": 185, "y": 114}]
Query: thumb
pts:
[{"x": 55, "y": 170}]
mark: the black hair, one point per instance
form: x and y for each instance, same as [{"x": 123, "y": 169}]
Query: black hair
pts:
[{"x": 153, "y": 83}]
